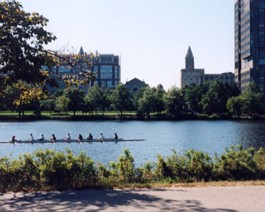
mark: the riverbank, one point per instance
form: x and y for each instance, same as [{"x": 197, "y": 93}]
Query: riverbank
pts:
[{"x": 29, "y": 116}]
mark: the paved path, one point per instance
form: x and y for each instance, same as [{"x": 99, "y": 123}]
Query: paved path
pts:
[{"x": 214, "y": 199}]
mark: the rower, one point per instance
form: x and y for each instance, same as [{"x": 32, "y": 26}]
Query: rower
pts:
[
  {"x": 31, "y": 138},
  {"x": 90, "y": 137},
  {"x": 68, "y": 138},
  {"x": 115, "y": 136},
  {"x": 41, "y": 138},
  {"x": 13, "y": 140},
  {"x": 101, "y": 137},
  {"x": 80, "y": 137},
  {"x": 53, "y": 139}
]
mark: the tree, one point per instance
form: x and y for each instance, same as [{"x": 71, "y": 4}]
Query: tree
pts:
[
  {"x": 159, "y": 105},
  {"x": 36, "y": 95},
  {"x": 215, "y": 99},
  {"x": 22, "y": 40},
  {"x": 252, "y": 100},
  {"x": 10, "y": 94},
  {"x": 121, "y": 98},
  {"x": 174, "y": 101},
  {"x": 21, "y": 94},
  {"x": 48, "y": 104},
  {"x": 76, "y": 98},
  {"x": 97, "y": 99},
  {"x": 152, "y": 100},
  {"x": 193, "y": 95},
  {"x": 234, "y": 105},
  {"x": 249, "y": 102},
  {"x": 62, "y": 103}
]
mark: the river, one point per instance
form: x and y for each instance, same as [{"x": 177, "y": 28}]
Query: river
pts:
[{"x": 160, "y": 137}]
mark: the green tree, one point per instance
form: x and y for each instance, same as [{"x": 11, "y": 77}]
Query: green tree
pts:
[
  {"x": 252, "y": 100},
  {"x": 48, "y": 104},
  {"x": 152, "y": 100},
  {"x": 193, "y": 95},
  {"x": 22, "y": 40},
  {"x": 2, "y": 89},
  {"x": 234, "y": 105},
  {"x": 76, "y": 98},
  {"x": 174, "y": 101},
  {"x": 121, "y": 98},
  {"x": 10, "y": 94},
  {"x": 215, "y": 99},
  {"x": 62, "y": 103},
  {"x": 159, "y": 105},
  {"x": 97, "y": 99}
]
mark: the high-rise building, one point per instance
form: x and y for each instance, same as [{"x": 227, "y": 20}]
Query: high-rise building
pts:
[
  {"x": 106, "y": 68},
  {"x": 250, "y": 43}
]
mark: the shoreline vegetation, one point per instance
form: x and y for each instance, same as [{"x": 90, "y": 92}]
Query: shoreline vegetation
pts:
[
  {"x": 79, "y": 116},
  {"x": 63, "y": 170}
]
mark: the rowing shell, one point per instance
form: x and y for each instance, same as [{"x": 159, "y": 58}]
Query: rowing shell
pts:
[{"x": 70, "y": 141}]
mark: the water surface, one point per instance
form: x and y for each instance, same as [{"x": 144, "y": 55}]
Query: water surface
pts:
[{"x": 160, "y": 137}]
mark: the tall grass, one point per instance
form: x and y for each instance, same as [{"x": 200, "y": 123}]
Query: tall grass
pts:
[{"x": 50, "y": 169}]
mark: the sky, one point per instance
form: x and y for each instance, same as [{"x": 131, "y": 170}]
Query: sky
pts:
[{"x": 150, "y": 36}]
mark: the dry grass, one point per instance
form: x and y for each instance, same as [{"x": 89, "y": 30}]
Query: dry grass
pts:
[{"x": 193, "y": 185}]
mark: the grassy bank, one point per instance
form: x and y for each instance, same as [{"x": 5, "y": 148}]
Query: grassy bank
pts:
[
  {"x": 115, "y": 115},
  {"x": 53, "y": 170}
]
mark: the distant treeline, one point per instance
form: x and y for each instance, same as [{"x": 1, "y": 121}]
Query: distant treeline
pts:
[
  {"x": 53, "y": 170},
  {"x": 210, "y": 99}
]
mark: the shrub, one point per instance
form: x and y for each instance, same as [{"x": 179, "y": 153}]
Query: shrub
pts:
[
  {"x": 199, "y": 166},
  {"x": 50, "y": 169},
  {"x": 236, "y": 164},
  {"x": 162, "y": 170},
  {"x": 259, "y": 159}
]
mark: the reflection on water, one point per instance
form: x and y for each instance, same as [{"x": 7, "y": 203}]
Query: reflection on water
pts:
[{"x": 161, "y": 137}]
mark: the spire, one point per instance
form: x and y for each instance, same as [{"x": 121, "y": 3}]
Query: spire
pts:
[
  {"x": 189, "y": 53},
  {"x": 81, "y": 51},
  {"x": 189, "y": 60}
]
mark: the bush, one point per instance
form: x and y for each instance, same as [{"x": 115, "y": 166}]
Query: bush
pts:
[
  {"x": 198, "y": 165},
  {"x": 50, "y": 169},
  {"x": 236, "y": 164},
  {"x": 259, "y": 159}
]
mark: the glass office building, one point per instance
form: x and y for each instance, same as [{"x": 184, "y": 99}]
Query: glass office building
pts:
[
  {"x": 107, "y": 71},
  {"x": 249, "y": 43}
]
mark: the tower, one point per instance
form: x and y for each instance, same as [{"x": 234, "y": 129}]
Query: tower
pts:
[
  {"x": 249, "y": 41},
  {"x": 190, "y": 75},
  {"x": 189, "y": 60}
]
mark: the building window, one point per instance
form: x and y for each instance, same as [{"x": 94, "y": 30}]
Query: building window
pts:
[
  {"x": 106, "y": 72},
  {"x": 109, "y": 84},
  {"x": 116, "y": 72},
  {"x": 262, "y": 53},
  {"x": 105, "y": 59}
]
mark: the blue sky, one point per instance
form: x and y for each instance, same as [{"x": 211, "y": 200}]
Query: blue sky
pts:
[{"x": 150, "y": 36}]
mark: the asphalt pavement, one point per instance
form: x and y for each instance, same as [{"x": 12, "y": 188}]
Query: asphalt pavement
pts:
[{"x": 199, "y": 199}]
